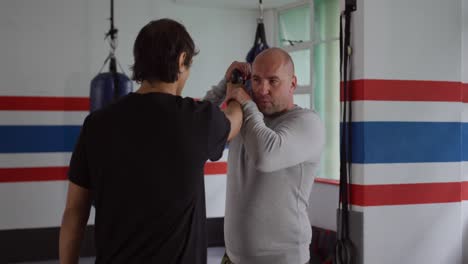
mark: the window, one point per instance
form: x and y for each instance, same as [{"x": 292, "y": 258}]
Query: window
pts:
[{"x": 309, "y": 31}]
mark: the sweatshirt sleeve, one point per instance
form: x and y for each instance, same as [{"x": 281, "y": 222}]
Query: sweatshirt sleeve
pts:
[
  {"x": 297, "y": 139},
  {"x": 217, "y": 93}
]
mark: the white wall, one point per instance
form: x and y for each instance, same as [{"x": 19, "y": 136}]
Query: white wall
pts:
[
  {"x": 464, "y": 79},
  {"x": 464, "y": 223},
  {"x": 44, "y": 48},
  {"x": 45, "y": 52},
  {"x": 269, "y": 19},
  {"x": 323, "y": 203},
  {"x": 55, "y": 47},
  {"x": 221, "y": 35},
  {"x": 412, "y": 234},
  {"x": 464, "y": 41},
  {"x": 357, "y": 40},
  {"x": 412, "y": 40}
]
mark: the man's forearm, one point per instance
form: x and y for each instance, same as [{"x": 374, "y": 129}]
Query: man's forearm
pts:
[
  {"x": 296, "y": 140},
  {"x": 71, "y": 235},
  {"x": 234, "y": 113}
]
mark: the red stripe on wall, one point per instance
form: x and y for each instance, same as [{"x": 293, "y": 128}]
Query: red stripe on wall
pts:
[
  {"x": 215, "y": 168},
  {"x": 400, "y": 194},
  {"x": 38, "y": 103},
  {"x": 465, "y": 92},
  {"x": 362, "y": 195},
  {"x": 33, "y": 174},
  {"x": 464, "y": 191},
  {"x": 407, "y": 90},
  {"x": 327, "y": 181},
  {"x": 368, "y": 89},
  {"x": 60, "y": 173}
]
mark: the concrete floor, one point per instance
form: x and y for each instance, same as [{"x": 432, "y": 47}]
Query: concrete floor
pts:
[{"x": 214, "y": 257}]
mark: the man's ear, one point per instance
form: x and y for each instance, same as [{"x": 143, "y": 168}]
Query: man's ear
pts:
[
  {"x": 182, "y": 66},
  {"x": 293, "y": 84}
]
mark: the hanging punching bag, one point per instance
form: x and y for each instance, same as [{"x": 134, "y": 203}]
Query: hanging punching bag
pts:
[
  {"x": 109, "y": 86},
  {"x": 260, "y": 43}
]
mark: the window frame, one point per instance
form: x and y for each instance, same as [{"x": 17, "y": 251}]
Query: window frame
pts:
[{"x": 306, "y": 45}]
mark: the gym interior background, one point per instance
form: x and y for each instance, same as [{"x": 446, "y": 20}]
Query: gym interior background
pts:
[{"x": 410, "y": 124}]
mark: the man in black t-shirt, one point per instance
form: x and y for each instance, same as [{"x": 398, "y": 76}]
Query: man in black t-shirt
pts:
[{"x": 141, "y": 160}]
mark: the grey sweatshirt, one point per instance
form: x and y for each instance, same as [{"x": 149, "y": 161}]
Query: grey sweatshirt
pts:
[{"x": 271, "y": 169}]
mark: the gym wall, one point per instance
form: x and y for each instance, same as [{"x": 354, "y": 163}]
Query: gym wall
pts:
[
  {"x": 410, "y": 179},
  {"x": 50, "y": 51}
]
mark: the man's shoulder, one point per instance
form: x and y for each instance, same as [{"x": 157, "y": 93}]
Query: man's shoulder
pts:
[
  {"x": 196, "y": 105},
  {"x": 302, "y": 113},
  {"x": 299, "y": 117},
  {"x": 111, "y": 109},
  {"x": 203, "y": 111}
]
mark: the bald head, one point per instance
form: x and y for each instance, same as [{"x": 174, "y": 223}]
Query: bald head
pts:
[
  {"x": 273, "y": 81},
  {"x": 276, "y": 56}
]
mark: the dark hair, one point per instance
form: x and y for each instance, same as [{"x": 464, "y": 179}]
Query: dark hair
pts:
[{"x": 157, "y": 49}]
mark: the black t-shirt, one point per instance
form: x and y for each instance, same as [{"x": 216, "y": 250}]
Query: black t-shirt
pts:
[{"x": 143, "y": 158}]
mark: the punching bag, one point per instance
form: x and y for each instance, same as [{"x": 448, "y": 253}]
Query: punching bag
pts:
[
  {"x": 260, "y": 43},
  {"x": 107, "y": 87}
]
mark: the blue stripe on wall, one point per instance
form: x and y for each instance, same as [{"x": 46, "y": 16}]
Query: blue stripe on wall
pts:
[
  {"x": 405, "y": 142},
  {"x": 30, "y": 139},
  {"x": 26, "y": 139},
  {"x": 464, "y": 144},
  {"x": 373, "y": 142}
]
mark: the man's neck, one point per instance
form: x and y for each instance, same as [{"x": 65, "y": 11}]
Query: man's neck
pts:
[{"x": 158, "y": 87}]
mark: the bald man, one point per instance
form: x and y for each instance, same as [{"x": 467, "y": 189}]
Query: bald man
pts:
[{"x": 271, "y": 166}]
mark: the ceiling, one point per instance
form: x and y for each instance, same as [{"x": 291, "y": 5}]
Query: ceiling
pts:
[{"x": 242, "y": 4}]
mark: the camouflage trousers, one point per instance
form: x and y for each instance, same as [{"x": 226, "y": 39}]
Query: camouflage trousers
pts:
[{"x": 226, "y": 260}]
